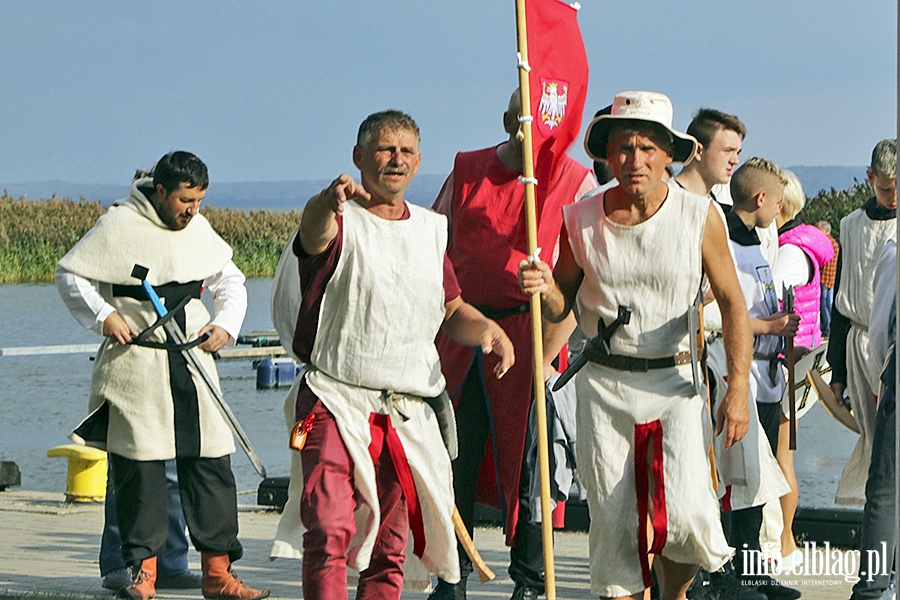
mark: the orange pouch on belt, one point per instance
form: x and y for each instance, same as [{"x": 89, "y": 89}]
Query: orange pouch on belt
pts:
[{"x": 299, "y": 431}]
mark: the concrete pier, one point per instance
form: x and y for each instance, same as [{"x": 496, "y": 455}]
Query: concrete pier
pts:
[{"x": 49, "y": 549}]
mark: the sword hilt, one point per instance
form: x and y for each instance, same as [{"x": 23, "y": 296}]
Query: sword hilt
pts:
[
  {"x": 622, "y": 318},
  {"x": 140, "y": 272}
]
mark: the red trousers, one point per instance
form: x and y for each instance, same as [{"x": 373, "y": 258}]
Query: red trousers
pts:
[{"x": 327, "y": 506}]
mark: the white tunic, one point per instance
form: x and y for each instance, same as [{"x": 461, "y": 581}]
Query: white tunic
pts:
[
  {"x": 654, "y": 268},
  {"x": 882, "y": 317},
  {"x": 749, "y": 473},
  {"x": 755, "y": 276},
  {"x": 862, "y": 240},
  {"x": 379, "y": 316},
  {"x": 133, "y": 380}
]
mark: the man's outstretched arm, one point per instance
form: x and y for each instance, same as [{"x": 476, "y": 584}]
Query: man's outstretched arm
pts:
[{"x": 317, "y": 224}]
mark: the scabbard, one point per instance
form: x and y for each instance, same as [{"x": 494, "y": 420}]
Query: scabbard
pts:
[
  {"x": 599, "y": 343},
  {"x": 570, "y": 371},
  {"x": 446, "y": 418}
]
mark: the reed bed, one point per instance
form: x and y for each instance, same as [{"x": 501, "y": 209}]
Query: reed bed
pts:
[{"x": 35, "y": 234}]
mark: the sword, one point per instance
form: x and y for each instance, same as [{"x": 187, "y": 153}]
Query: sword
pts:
[
  {"x": 465, "y": 540},
  {"x": 177, "y": 335},
  {"x": 601, "y": 343},
  {"x": 696, "y": 338}
]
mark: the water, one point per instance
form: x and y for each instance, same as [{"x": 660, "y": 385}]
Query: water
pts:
[{"x": 43, "y": 397}]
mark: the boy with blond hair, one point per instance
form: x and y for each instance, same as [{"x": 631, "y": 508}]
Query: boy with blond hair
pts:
[{"x": 757, "y": 189}]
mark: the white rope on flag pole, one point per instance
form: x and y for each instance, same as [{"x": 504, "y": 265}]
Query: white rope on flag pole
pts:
[
  {"x": 527, "y": 180},
  {"x": 527, "y": 119},
  {"x": 523, "y": 64}
]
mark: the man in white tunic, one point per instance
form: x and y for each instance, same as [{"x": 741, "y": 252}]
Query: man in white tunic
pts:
[
  {"x": 148, "y": 405},
  {"x": 376, "y": 287},
  {"x": 864, "y": 233},
  {"x": 879, "y": 536},
  {"x": 642, "y": 424}
]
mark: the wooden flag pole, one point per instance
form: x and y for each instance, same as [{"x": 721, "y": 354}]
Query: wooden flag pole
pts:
[{"x": 540, "y": 400}]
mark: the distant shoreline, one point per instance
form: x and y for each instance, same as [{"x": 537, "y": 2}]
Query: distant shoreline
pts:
[
  {"x": 283, "y": 196},
  {"x": 273, "y": 196}
]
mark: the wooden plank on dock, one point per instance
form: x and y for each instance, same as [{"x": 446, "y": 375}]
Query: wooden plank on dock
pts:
[
  {"x": 225, "y": 353},
  {"x": 42, "y": 350},
  {"x": 251, "y": 353}
]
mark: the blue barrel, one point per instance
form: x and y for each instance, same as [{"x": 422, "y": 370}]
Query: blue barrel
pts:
[
  {"x": 265, "y": 374},
  {"x": 286, "y": 371}
]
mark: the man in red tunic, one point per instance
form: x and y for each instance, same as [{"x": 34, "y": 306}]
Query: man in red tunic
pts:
[{"x": 485, "y": 204}]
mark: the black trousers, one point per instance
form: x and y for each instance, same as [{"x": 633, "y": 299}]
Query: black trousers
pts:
[
  {"x": 878, "y": 538},
  {"x": 526, "y": 557},
  {"x": 742, "y": 527},
  {"x": 208, "y": 498}
]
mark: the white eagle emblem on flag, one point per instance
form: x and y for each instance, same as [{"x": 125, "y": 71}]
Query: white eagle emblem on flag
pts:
[{"x": 554, "y": 97}]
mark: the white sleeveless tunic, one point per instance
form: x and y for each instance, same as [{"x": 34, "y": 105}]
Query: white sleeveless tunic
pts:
[
  {"x": 379, "y": 315},
  {"x": 654, "y": 268},
  {"x": 862, "y": 240},
  {"x": 755, "y": 276},
  {"x": 748, "y": 471}
]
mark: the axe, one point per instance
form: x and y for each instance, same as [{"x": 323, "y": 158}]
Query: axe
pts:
[{"x": 788, "y": 306}]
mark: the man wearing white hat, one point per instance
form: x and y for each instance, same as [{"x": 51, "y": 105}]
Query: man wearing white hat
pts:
[{"x": 642, "y": 426}]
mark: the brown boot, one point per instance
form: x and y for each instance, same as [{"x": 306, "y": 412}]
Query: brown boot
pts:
[
  {"x": 221, "y": 583},
  {"x": 143, "y": 583}
]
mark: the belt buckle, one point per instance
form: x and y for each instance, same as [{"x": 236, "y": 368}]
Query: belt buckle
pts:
[{"x": 641, "y": 365}]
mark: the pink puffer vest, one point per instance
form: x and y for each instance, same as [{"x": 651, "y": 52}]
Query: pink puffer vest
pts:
[{"x": 818, "y": 248}]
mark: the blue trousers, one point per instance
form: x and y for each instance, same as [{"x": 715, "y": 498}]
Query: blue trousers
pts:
[
  {"x": 174, "y": 559},
  {"x": 826, "y": 301}
]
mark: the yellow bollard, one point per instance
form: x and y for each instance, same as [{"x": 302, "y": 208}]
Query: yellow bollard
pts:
[{"x": 86, "y": 477}]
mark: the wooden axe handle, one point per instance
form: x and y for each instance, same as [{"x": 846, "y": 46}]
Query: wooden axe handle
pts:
[
  {"x": 484, "y": 571},
  {"x": 792, "y": 386}
]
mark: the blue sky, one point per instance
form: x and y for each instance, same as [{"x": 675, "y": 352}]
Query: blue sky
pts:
[{"x": 275, "y": 90}]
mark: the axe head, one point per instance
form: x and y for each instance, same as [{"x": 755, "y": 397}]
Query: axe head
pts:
[
  {"x": 139, "y": 272},
  {"x": 624, "y": 315}
]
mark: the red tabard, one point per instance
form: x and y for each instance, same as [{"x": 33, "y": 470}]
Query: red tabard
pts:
[{"x": 487, "y": 242}]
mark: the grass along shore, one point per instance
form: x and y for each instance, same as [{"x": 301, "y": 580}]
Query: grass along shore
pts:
[{"x": 35, "y": 234}]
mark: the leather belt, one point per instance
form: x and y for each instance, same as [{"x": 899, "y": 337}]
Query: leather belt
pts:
[
  {"x": 634, "y": 363},
  {"x": 498, "y": 313},
  {"x": 175, "y": 290},
  {"x": 774, "y": 361}
]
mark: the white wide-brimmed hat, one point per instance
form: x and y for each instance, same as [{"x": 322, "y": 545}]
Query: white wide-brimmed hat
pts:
[{"x": 651, "y": 107}]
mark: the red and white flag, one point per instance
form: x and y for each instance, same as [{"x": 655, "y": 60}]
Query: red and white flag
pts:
[{"x": 558, "y": 81}]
